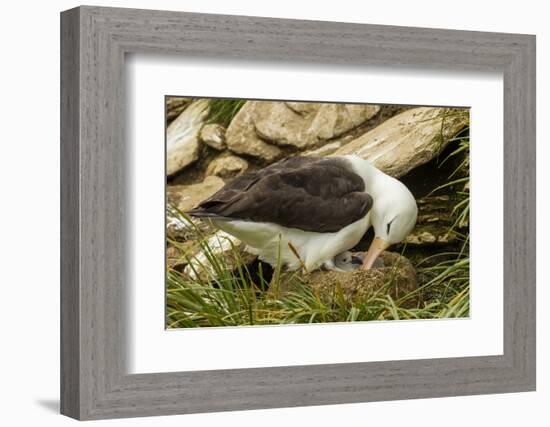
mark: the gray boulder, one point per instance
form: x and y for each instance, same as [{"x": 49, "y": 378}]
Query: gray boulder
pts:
[
  {"x": 182, "y": 137},
  {"x": 264, "y": 129},
  {"x": 305, "y": 124},
  {"x": 186, "y": 197},
  {"x": 241, "y": 137},
  {"x": 227, "y": 166},
  {"x": 407, "y": 140},
  {"x": 213, "y": 135}
]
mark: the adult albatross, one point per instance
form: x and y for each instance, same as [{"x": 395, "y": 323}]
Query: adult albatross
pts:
[{"x": 304, "y": 211}]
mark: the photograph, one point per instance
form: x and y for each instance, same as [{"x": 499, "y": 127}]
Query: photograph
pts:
[
  {"x": 300, "y": 212},
  {"x": 276, "y": 212}
]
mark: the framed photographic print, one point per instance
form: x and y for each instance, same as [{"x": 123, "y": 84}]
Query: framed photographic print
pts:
[{"x": 261, "y": 213}]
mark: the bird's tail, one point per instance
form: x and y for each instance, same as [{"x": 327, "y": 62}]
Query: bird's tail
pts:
[{"x": 201, "y": 213}]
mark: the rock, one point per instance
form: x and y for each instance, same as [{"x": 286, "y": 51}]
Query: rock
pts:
[
  {"x": 176, "y": 256},
  {"x": 435, "y": 221},
  {"x": 433, "y": 200},
  {"x": 430, "y": 236},
  {"x": 226, "y": 248},
  {"x": 175, "y": 106},
  {"x": 261, "y": 128},
  {"x": 213, "y": 135},
  {"x": 305, "y": 124},
  {"x": 396, "y": 278},
  {"x": 177, "y": 228},
  {"x": 407, "y": 140},
  {"x": 182, "y": 137},
  {"x": 227, "y": 166},
  {"x": 325, "y": 150},
  {"x": 186, "y": 197},
  {"x": 172, "y": 257},
  {"x": 420, "y": 238},
  {"x": 241, "y": 137}
]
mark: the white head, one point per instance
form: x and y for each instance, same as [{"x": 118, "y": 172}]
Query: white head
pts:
[
  {"x": 393, "y": 217},
  {"x": 394, "y": 211},
  {"x": 393, "y": 214}
]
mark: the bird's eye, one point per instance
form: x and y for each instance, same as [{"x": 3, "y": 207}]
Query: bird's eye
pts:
[{"x": 389, "y": 226}]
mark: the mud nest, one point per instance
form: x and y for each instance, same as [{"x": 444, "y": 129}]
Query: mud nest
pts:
[{"x": 393, "y": 275}]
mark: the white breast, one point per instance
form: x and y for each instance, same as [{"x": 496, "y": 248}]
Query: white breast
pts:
[{"x": 272, "y": 242}]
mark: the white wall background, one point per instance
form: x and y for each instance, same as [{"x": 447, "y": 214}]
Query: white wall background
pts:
[{"x": 29, "y": 212}]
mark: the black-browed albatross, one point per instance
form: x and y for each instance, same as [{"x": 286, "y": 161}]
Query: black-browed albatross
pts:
[{"x": 304, "y": 211}]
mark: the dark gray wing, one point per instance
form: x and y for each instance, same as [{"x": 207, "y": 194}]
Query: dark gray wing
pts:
[{"x": 308, "y": 193}]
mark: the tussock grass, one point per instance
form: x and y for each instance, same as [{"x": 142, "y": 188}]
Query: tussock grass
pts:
[{"x": 222, "y": 111}]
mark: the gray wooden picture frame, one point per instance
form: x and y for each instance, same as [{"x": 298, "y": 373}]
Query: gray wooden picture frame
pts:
[{"x": 94, "y": 382}]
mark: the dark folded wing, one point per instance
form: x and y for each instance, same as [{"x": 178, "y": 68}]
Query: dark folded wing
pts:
[{"x": 311, "y": 194}]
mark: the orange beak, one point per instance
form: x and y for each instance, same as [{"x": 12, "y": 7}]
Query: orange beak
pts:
[{"x": 376, "y": 248}]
